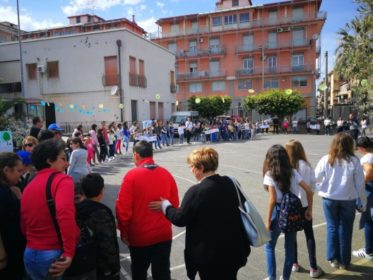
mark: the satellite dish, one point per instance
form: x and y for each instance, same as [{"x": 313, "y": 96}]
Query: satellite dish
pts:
[
  {"x": 114, "y": 90},
  {"x": 315, "y": 36}
]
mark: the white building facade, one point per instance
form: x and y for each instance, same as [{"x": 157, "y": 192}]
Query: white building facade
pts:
[{"x": 113, "y": 75}]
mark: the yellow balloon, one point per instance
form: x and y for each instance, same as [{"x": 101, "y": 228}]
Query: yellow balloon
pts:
[
  {"x": 198, "y": 100},
  {"x": 121, "y": 106},
  {"x": 157, "y": 96},
  {"x": 101, "y": 106}
]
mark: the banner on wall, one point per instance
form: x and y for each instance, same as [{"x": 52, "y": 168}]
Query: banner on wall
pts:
[{"x": 6, "y": 142}]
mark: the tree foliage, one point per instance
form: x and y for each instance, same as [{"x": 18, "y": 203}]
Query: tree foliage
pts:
[
  {"x": 210, "y": 107},
  {"x": 354, "y": 55},
  {"x": 277, "y": 102},
  {"x": 5, "y": 116}
]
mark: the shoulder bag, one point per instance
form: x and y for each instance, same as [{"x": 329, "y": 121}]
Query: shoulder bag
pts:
[{"x": 252, "y": 222}]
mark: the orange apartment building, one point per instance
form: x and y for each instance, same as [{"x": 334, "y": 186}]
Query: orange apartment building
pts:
[{"x": 221, "y": 52}]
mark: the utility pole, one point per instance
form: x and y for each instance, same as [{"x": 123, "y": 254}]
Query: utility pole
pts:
[
  {"x": 20, "y": 54},
  {"x": 263, "y": 68},
  {"x": 327, "y": 86}
]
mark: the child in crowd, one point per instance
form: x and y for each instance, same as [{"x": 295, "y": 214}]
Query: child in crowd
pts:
[
  {"x": 99, "y": 218},
  {"x": 298, "y": 161},
  {"x": 90, "y": 150},
  {"x": 280, "y": 178},
  {"x": 180, "y": 131}
]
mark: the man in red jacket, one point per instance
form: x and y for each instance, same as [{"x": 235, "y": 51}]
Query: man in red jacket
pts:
[{"x": 148, "y": 234}]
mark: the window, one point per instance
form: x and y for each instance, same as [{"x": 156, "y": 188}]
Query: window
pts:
[
  {"x": 244, "y": 17},
  {"x": 172, "y": 47},
  {"x": 235, "y": 3},
  {"x": 298, "y": 37},
  {"x": 299, "y": 81},
  {"x": 298, "y": 13},
  {"x": 272, "y": 16},
  {"x": 195, "y": 87},
  {"x": 231, "y": 19},
  {"x": 141, "y": 67},
  {"x": 194, "y": 26},
  {"x": 52, "y": 69},
  {"x": 272, "y": 63},
  {"x": 31, "y": 71},
  {"x": 193, "y": 67},
  {"x": 214, "y": 68},
  {"x": 271, "y": 83},
  {"x": 193, "y": 46},
  {"x": 133, "y": 72},
  {"x": 216, "y": 21},
  {"x": 218, "y": 86},
  {"x": 297, "y": 62},
  {"x": 248, "y": 42},
  {"x": 174, "y": 28},
  {"x": 141, "y": 76},
  {"x": 272, "y": 40},
  {"x": 111, "y": 70},
  {"x": 214, "y": 45},
  {"x": 245, "y": 84},
  {"x": 248, "y": 65},
  {"x": 78, "y": 19}
]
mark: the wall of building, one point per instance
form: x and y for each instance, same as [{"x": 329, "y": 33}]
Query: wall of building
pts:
[{"x": 79, "y": 91}]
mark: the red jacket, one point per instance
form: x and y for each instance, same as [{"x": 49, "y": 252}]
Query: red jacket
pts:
[
  {"x": 36, "y": 220},
  {"x": 136, "y": 222}
]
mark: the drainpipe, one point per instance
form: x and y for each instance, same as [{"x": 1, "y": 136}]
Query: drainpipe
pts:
[{"x": 119, "y": 45}]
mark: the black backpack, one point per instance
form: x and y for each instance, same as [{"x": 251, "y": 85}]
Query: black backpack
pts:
[
  {"x": 84, "y": 260},
  {"x": 290, "y": 218}
]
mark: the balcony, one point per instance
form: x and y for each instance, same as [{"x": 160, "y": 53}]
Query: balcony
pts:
[
  {"x": 200, "y": 75},
  {"x": 273, "y": 70},
  {"x": 173, "y": 88},
  {"x": 194, "y": 52},
  {"x": 296, "y": 43},
  {"x": 237, "y": 26},
  {"x": 136, "y": 80},
  {"x": 110, "y": 80}
]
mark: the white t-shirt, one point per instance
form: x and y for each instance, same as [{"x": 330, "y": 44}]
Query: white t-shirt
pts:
[
  {"x": 308, "y": 175},
  {"x": 180, "y": 130},
  {"x": 294, "y": 185},
  {"x": 367, "y": 158}
]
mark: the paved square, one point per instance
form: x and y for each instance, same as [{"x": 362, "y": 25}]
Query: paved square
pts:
[{"x": 242, "y": 160}]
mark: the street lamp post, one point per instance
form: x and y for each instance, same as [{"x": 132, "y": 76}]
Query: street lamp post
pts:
[{"x": 20, "y": 53}]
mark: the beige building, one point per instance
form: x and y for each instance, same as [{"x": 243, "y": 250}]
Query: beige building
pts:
[{"x": 87, "y": 77}]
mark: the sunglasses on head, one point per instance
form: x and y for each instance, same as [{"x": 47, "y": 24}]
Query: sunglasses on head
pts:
[{"x": 28, "y": 145}]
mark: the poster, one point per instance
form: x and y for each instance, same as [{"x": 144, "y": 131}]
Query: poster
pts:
[{"x": 6, "y": 142}]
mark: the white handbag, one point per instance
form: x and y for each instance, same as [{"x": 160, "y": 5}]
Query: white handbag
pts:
[{"x": 255, "y": 229}]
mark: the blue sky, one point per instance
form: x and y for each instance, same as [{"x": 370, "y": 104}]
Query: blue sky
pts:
[{"x": 39, "y": 14}]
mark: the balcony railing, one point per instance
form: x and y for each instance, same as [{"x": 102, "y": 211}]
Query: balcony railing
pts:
[
  {"x": 200, "y": 75},
  {"x": 194, "y": 52},
  {"x": 142, "y": 81},
  {"x": 137, "y": 80},
  {"x": 110, "y": 80},
  {"x": 273, "y": 70},
  {"x": 244, "y": 25},
  {"x": 173, "y": 88},
  {"x": 133, "y": 80},
  {"x": 295, "y": 43}
]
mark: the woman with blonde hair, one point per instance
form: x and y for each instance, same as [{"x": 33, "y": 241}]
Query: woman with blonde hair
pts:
[
  {"x": 298, "y": 161},
  {"x": 29, "y": 143},
  {"x": 213, "y": 222},
  {"x": 341, "y": 184}
]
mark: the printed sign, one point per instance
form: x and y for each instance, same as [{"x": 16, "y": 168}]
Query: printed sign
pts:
[{"x": 6, "y": 142}]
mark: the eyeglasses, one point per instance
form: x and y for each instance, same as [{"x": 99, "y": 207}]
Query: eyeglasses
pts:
[{"x": 28, "y": 145}]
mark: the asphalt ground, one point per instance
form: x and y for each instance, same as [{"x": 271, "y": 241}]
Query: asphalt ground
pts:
[{"x": 242, "y": 160}]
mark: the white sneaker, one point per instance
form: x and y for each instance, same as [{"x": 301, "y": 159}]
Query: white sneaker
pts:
[
  {"x": 314, "y": 273},
  {"x": 362, "y": 254},
  {"x": 334, "y": 263},
  {"x": 295, "y": 267}
]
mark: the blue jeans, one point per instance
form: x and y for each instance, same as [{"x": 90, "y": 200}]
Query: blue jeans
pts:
[
  {"x": 38, "y": 262},
  {"x": 271, "y": 245},
  {"x": 339, "y": 216},
  {"x": 126, "y": 139}
]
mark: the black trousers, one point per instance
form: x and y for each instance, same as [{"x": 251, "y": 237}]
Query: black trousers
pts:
[
  {"x": 157, "y": 255},
  {"x": 226, "y": 272}
]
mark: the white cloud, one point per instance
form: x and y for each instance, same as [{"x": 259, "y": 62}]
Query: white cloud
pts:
[
  {"x": 160, "y": 4},
  {"x": 28, "y": 23},
  {"x": 142, "y": 8},
  {"x": 77, "y": 6},
  {"x": 149, "y": 24}
]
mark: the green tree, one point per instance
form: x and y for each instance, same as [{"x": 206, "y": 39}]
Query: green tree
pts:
[
  {"x": 354, "y": 55},
  {"x": 273, "y": 102},
  {"x": 5, "y": 117},
  {"x": 210, "y": 107}
]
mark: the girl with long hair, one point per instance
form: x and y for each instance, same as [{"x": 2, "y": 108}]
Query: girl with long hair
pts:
[
  {"x": 298, "y": 161},
  {"x": 280, "y": 178},
  {"x": 341, "y": 184}
]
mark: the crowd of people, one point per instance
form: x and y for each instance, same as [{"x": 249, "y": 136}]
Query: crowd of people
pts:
[{"x": 54, "y": 226}]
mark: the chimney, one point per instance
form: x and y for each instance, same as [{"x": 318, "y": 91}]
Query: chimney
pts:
[{"x": 133, "y": 18}]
